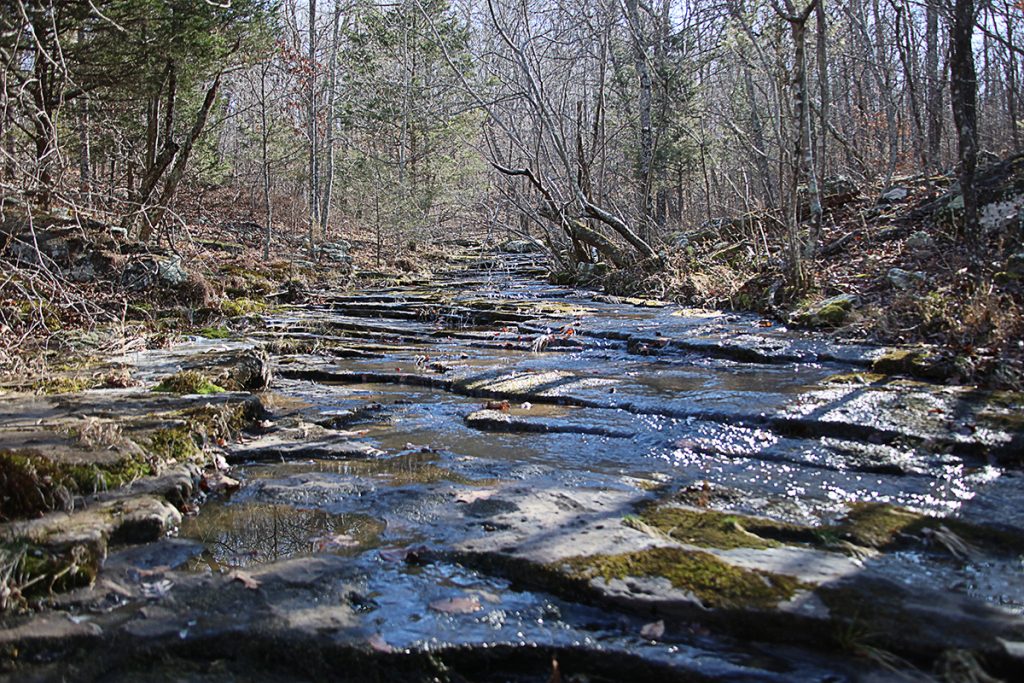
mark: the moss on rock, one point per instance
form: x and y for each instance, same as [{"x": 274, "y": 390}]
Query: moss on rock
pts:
[
  {"x": 63, "y": 385},
  {"x": 714, "y": 582},
  {"x": 31, "y": 570},
  {"x": 233, "y": 308},
  {"x": 188, "y": 382},
  {"x": 174, "y": 444},
  {"x": 32, "y": 484},
  {"x": 710, "y": 529}
]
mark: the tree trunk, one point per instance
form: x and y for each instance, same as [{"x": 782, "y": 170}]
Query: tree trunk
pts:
[
  {"x": 265, "y": 154},
  {"x": 963, "y": 93},
  {"x": 933, "y": 85},
  {"x": 646, "y": 151},
  {"x": 823, "y": 90},
  {"x": 1011, "y": 81},
  {"x": 332, "y": 83},
  {"x": 314, "y": 180},
  {"x": 155, "y": 217}
]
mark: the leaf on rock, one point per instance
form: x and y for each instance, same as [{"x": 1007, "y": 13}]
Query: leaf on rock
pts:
[
  {"x": 378, "y": 643},
  {"x": 462, "y": 605},
  {"x": 653, "y": 631},
  {"x": 245, "y": 579},
  {"x": 335, "y": 542}
]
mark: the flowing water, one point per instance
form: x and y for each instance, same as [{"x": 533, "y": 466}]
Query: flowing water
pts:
[{"x": 622, "y": 399}]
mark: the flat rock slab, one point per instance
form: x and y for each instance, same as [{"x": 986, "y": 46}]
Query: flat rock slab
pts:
[
  {"x": 135, "y": 519},
  {"x": 548, "y": 538},
  {"x": 955, "y": 416},
  {"x": 498, "y": 421},
  {"x": 296, "y": 444}
]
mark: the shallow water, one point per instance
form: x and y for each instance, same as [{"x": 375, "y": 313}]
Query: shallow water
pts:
[{"x": 606, "y": 397}]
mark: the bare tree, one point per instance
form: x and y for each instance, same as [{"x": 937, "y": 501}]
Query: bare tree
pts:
[{"x": 963, "y": 91}]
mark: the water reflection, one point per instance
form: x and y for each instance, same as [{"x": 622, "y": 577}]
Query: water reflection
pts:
[{"x": 252, "y": 533}]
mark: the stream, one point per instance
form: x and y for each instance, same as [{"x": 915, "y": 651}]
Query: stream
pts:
[{"x": 433, "y": 454}]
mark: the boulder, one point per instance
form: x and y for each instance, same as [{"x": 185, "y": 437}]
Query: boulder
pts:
[
  {"x": 894, "y": 195},
  {"x": 832, "y": 312},
  {"x": 335, "y": 252},
  {"x": 520, "y": 247},
  {"x": 839, "y": 190},
  {"x": 149, "y": 271},
  {"x": 171, "y": 273},
  {"x": 920, "y": 243},
  {"x": 82, "y": 270},
  {"x": 905, "y": 279}
]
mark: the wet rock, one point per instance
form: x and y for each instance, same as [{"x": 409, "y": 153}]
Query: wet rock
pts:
[
  {"x": 936, "y": 417},
  {"x": 301, "y": 444},
  {"x": 905, "y": 279},
  {"x": 919, "y": 620},
  {"x": 520, "y": 247},
  {"x": 501, "y": 421}
]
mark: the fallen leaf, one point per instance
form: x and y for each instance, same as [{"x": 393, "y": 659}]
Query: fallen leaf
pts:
[
  {"x": 154, "y": 572},
  {"x": 488, "y": 596},
  {"x": 653, "y": 631},
  {"x": 556, "y": 672},
  {"x": 335, "y": 542},
  {"x": 378, "y": 643},
  {"x": 245, "y": 579},
  {"x": 463, "y": 605},
  {"x": 408, "y": 554},
  {"x": 157, "y": 589}
]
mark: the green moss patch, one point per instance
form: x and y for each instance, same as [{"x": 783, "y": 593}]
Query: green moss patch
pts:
[
  {"x": 856, "y": 378},
  {"x": 233, "y": 308},
  {"x": 29, "y": 570},
  {"x": 914, "y": 362},
  {"x": 188, "y": 382},
  {"x": 172, "y": 444},
  {"x": 711, "y": 529},
  {"x": 714, "y": 582},
  {"x": 214, "y": 332},
  {"x": 879, "y": 525},
  {"x": 63, "y": 385},
  {"x": 32, "y": 484}
]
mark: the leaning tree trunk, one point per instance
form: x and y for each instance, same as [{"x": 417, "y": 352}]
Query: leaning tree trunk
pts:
[{"x": 155, "y": 217}]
